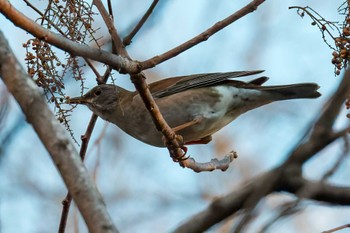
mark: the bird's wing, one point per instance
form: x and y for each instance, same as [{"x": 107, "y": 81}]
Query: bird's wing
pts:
[{"x": 175, "y": 85}]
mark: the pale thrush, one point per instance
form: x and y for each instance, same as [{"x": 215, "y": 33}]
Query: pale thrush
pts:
[{"x": 195, "y": 106}]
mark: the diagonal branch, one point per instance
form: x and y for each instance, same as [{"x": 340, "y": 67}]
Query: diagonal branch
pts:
[
  {"x": 223, "y": 207},
  {"x": 334, "y": 104},
  {"x": 252, "y": 6},
  {"x": 128, "y": 39},
  {"x": 287, "y": 177},
  {"x": 66, "y": 203},
  {"x": 122, "y": 64},
  {"x": 321, "y": 134},
  {"x": 321, "y": 191},
  {"x": 56, "y": 141},
  {"x": 172, "y": 141},
  {"x": 228, "y": 205},
  {"x": 118, "y": 44}
]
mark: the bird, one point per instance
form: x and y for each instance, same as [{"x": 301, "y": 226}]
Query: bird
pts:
[{"x": 195, "y": 106}]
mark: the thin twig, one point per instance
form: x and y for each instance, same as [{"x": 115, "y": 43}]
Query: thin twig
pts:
[
  {"x": 337, "y": 228},
  {"x": 44, "y": 17},
  {"x": 252, "y": 6},
  {"x": 320, "y": 22},
  {"x": 110, "y": 8},
  {"x": 33, "y": 7},
  {"x": 120, "y": 49},
  {"x": 127, "y": 40}
]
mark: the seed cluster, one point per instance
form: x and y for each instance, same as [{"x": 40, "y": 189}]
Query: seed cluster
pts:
[{"x": 341, "y": 55}]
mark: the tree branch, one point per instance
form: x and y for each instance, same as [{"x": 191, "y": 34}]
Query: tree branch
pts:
[
  {"x": 118, "y": 44},
  {"x": 334, "y": 105},
  {"x": 252, "y": 6},
  {"x": 66, "y": 203},
  {"x": 223, "y": 207},
  {"x": 119, "y": 63},
  {"x": 172, "y": 141},
  {"x": 321, "y": 191},
  {"x": 56, "y": 141},
  {"x": 287, "y": 177},
  {"x": 321, "y": 133},
  {"x": 127, "y": 40}
]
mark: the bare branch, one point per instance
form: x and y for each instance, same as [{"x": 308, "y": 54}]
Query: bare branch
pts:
[
  {"x": 56, "y": 141},
  {"x": 333, "y": 105},
  {"x": 173, "y": 141},
  {"x": 85, "y": 142},
  {"x": 287, "y": 177},
  {"x": 214, "y": 164},
  {"x": 289, "y": 208},
  {"x": 118, "y": 44},
  {"x": 321, "y": 191},
  {"x": 127, "y": 40},
  {"x": 337, "y": 228},
  {"x": 68, "y": 199},
  {"x": 321, "y": 133},
  {"x": 223, "y": 207},
  {"x": 121, "y": 64},
  {"x": 252, "y": 6}
]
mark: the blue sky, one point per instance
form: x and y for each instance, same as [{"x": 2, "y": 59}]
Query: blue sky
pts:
[{"x": 143, "y": 188}]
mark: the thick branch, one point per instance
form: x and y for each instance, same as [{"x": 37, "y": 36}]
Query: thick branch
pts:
[
  {"x": 287, "y": 177},
  {"x": 321, "y": 134},
  {"x": 223, "y": 207},
  {"x": 85, "y": 142},
  {"x": 334, "y": 104},
  {"x": 56, "y": 141},
  {"x": 123, "y": 65},
  {"x": 321, "y": 191},
  {"x": 68, "y": 199},
  {"x": 201, "y": 37}
]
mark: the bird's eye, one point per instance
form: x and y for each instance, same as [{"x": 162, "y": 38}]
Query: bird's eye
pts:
[{"x": 97, "y": 93}]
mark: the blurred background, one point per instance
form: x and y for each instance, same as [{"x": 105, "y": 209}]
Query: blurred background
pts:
[{"x": 144, "y": 190}]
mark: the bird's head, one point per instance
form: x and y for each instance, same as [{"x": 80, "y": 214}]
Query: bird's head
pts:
[{"x": 100, "y": 99}]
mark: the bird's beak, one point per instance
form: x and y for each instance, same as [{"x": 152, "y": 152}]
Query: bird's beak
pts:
[{"x": 77, "y": 100}]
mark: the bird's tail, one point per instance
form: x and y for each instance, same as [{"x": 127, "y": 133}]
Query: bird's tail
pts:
[{"x": 294, "y": 91}]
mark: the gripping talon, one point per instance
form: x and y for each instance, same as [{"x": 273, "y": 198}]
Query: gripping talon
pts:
[{"x": 183, "y": 157}]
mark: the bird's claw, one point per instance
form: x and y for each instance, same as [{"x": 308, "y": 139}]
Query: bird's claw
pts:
[{"x": 180, "y": 158}]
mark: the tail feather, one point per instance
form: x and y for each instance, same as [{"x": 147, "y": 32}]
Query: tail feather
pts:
[
  {"x": 259, "y": 81},
  {"x": 294, "y": 91}
]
